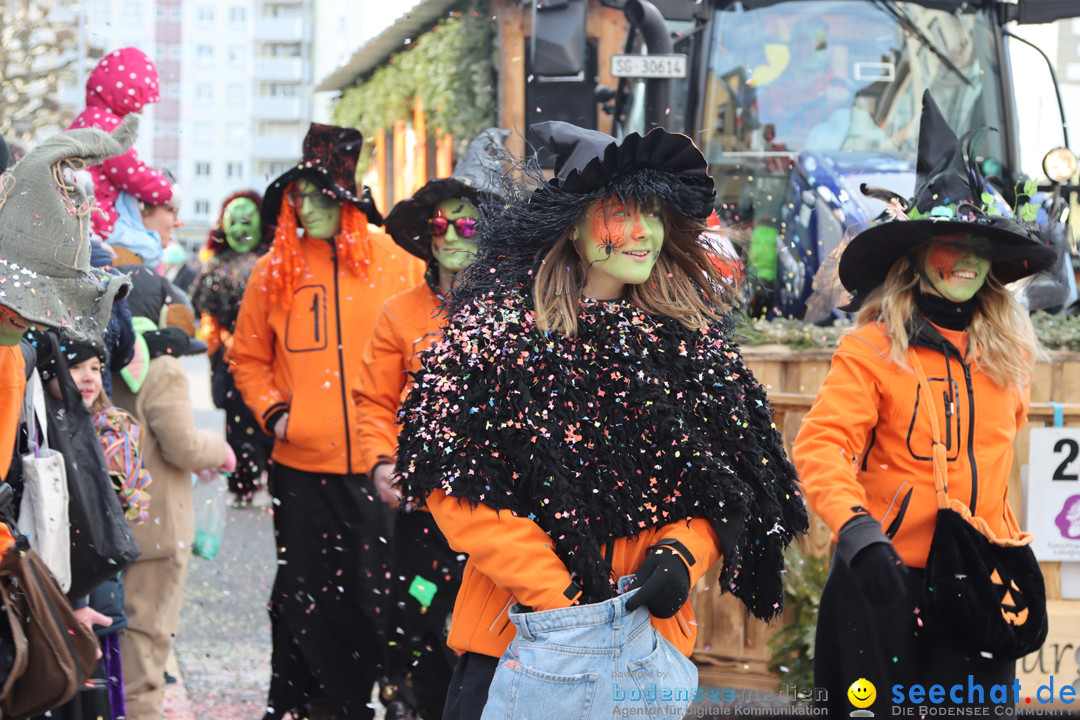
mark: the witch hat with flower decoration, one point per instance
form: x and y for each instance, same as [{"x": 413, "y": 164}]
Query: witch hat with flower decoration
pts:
[{"x": 952, "y": 200}]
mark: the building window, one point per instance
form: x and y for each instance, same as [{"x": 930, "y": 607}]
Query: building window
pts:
[
  {"x": 174, "y": 128},
  {"x": 162, "y": 13},
  {"x": 161, "y": 51},
  {"x": 237, "y": 15},
  {"x": 176, "y": 13},
  {"x": 204, "y": 93},
  {"x": 235, "y": 94},
  {"x": 202, "y": 208},
  {"x": 202, "y": 168},
  {"x": 160, "y": 128},
  {"x": 204, "y": 132},
  {"x": 235, "y": 131},
  {"x": 205, "y": 14},
  {"x": 176, "y": 52},
  {"x": 234, "y": 170},
  {"x": 281, "y": 50},
  {"x": 172, "y": 90},
  {"x": 204, "y": 54},
  {"x": 279, "y": 90},
  {"x": 132, "y": 12},
  {"x": 237, "y": 54}
]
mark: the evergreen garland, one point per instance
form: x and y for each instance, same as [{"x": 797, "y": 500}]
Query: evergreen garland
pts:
[{"x": 450, "y": 69}]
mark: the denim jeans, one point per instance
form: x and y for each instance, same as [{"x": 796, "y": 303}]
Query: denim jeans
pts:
[{"x": 591, "y": 661}]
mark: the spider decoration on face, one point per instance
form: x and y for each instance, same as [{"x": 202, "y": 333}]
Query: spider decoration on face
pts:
[{"x": 606, "y": 237}]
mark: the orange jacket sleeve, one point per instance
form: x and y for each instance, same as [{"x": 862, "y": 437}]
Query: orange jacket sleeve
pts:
[
  {"x": 251, "y": 357},
  {"x": 835, "y": 431},
  {"x": 513, "y": 551},
  {"x": 377, "y": 393},
  {"x": 699, "y": 538},
  {"x": 12, "y": 389},
  {"x": 210, "y": 331}
]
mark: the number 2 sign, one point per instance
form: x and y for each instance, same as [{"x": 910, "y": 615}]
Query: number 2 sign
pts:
[{"x": 1053, "y": 493}]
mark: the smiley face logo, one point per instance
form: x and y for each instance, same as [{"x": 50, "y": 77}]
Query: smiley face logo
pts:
[{"x": 862, "y": 693}]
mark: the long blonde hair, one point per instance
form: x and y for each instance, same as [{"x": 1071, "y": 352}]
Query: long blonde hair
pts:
[
  {"x": 1001, "y": 339},
  {"x": 684, "y": 283}
]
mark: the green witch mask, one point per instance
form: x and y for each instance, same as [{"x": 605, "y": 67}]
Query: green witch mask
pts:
[{"x": 241, "y": 224}]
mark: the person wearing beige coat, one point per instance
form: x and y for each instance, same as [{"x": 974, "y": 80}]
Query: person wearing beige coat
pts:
[{"x": 154, "y": 584}]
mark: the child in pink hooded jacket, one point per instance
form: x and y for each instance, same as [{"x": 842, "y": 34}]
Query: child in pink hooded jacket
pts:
[{"x": 122, "y": 83}]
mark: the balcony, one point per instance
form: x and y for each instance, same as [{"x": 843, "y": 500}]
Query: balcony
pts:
[
  {"x": 284, "y": 29},
  {"x": 276, "y": 108},
  {"x": 271, "y": 68},
  {"x": 275, "y": 147}
]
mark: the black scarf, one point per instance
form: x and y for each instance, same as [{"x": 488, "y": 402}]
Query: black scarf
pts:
[
  {"x": 635, "y": 423},
  {"x": 944, "y": 312}
]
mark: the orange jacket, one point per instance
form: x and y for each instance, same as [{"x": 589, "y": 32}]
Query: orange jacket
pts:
[
  {"x": 304, "y": 358},
  {"x": 407, "y": 325},
  {"x": 12, "y": 389},
  {"x": 865, "y": 444},
  {"x": 511, "y": 560}
]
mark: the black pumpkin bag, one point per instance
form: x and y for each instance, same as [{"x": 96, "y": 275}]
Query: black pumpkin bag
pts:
[
  {"x": 101, "y": 541},
  {"x": 984, "y": 593}
]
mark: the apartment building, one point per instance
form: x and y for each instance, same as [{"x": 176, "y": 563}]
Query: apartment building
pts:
[{"x": 236, "y": 80}]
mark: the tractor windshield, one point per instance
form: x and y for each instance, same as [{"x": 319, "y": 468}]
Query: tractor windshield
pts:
[{"x": 840, "y": 80}]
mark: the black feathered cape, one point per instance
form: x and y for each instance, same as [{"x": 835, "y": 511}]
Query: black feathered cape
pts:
[{"x": 634, "y": 423}]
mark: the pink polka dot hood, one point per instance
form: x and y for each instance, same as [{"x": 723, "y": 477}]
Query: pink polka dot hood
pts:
[{"x": 123, "y": 82}]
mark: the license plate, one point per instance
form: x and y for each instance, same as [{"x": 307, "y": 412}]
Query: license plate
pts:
[{"x": 648, "y": 66}]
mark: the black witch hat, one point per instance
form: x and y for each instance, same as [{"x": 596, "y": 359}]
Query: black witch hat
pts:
[
  {"x": 329, "y": 161},
  {"x": 951, "y": 200},
  {"x": 476, "y": 178},
  {"x": 589, "y": 160}
]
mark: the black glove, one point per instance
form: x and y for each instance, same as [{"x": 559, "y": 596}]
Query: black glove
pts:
[
  {"x": 878, "y": 571},
  {"x": 664, "y": 583}
]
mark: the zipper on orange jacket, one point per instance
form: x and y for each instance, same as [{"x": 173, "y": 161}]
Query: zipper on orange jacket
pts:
[{"x": 341, "y": 365}]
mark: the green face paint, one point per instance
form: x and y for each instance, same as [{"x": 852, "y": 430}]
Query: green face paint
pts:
[
  {"x": 620, "y": 243},
  {"x": 448, "y": 225},
  {"x": 241, "y": 224},
  {"x": 956, "y": 268},
  {"x": 12, "y": 327},
  {"x": 318, "y": 213}
]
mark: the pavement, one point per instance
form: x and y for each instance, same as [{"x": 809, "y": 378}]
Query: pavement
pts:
[{"x": 221, "y": 657}]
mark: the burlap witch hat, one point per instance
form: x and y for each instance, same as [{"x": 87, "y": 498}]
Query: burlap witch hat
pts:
[{"x": 45, "y": 272}]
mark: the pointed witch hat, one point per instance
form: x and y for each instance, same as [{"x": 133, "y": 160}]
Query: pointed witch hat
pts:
[
  {"x": 951, "y": 200},
  {"x": 476, "y": 178},
  {"x": 45, "y": 272},
  {"x": 329, "y": 160}
]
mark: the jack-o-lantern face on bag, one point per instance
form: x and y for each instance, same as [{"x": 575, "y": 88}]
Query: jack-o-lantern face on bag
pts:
[{"x": 1014, "y": 606}]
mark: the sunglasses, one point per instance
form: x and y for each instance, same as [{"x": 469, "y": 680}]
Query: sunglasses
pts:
[
  {"x": 465, "y": 227},
  {"x": 320, "y": 200}
]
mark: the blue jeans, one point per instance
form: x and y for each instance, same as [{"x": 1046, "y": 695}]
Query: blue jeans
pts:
[{"x": 590, "y": 662}]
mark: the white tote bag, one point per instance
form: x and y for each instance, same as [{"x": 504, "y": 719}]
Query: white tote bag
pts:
[{"x": 43, "y": 512}]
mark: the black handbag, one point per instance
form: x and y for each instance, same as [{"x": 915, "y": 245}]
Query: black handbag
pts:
[
  {"x": 984, "y": 593},
  {"x": 101, "y": 541}
]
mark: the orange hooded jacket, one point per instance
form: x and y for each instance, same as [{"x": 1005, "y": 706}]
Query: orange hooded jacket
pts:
[
  {"x": 865, "y": 444},
  {"x": 407, "y": 325},
  {"x": 303, "y": 357}
]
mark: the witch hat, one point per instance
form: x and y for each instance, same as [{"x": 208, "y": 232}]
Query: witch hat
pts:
[
  {"x": 329, "y": 160},
  {"x": 476, "y": 178},
  {"x": 951, "y": 200},
  {"x": 45, "y": 272}
]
